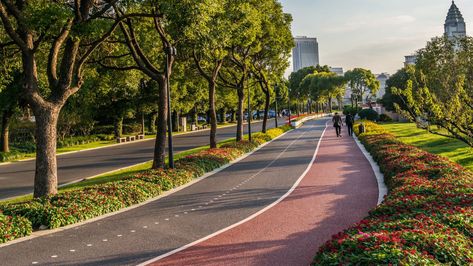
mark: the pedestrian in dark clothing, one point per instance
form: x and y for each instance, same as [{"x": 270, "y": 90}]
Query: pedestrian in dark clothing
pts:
[
  {"x": 349, "y": 121},
  {"x": 337, "y": 124}
]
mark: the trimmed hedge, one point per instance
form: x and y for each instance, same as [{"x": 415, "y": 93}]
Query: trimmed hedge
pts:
[
  {"x": 83, "y": 204},
  {"x": 427, "y": 218}
]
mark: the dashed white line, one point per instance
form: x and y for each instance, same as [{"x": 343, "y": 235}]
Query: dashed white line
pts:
[
  {"x": 132, "y": 231},
  {"x": 54, "y": 256},
  {"x": 104, "y": 240},
  {"x": 185, "y": 212},
  {"x": 177, "y": 215},
  {"x": 167, "y": 219},
  {"x": 72, "y": 250},
  {"x": 34, "y": 262},
  {"x": 145, "y": 226},
  {"x": 89, "y": 245},
  {"x": 119, "y": 235},
  {"x": 156, "y": 222}
]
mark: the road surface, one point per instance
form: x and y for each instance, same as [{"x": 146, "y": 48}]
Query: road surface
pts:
[
  {"x": 197, "y": 211},
  {"x": 17, "y": 179}
]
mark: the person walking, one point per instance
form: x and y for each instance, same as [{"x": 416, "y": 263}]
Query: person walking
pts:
[
  {"x": 337, "y": 124},
  {"x": 349, "y": 121}
]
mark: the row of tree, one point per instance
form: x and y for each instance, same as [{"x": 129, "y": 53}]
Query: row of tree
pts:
[
  {"x": 55, "y": 49},
  {"x": 438, "y": 89},
  {"x": 320, "y": 86}
]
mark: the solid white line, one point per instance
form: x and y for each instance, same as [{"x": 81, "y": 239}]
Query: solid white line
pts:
[
  {"x": 382, "y": 188},
  {"x": 247, "y": 219}
]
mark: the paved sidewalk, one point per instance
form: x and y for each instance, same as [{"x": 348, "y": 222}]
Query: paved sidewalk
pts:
[{"x": 339, "y": 190}]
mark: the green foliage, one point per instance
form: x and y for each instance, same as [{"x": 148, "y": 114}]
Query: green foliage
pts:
[
  {"x": 425, "y": 220},
  {"x": 362, "y": 82},
  {"x": 347, "y": 109},
  {"x": 369, "y": 114},
  {"x": 13, "y": 227}
]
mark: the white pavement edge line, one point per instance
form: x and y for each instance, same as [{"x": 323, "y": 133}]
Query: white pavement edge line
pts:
[
  {"x": 382, "y": 188},
  {"x": 247, "y": 219},
  {"x": 125, "y": 143},
  {"x": 165, "y": 194}
]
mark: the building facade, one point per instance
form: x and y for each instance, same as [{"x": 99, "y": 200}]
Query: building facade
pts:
[{"x": 305, "y": 53}]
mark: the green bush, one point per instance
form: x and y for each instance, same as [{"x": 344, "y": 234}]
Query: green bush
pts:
[
  {"x": 369, "y": 114},
  {"x": 385, "y": 118},
  {"x": 351, "y": 110}
]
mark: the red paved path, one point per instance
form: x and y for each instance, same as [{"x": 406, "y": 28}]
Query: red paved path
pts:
[{"x": 338, "y": 191}]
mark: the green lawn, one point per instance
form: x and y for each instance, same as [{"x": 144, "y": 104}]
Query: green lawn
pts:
[{"x": 454, "y": 149}]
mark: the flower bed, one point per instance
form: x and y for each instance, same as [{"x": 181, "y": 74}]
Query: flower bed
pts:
[
  {"x": 427, "y": 218},
  {"x": 13, "y": 227},
  {"x": 82, "y": 204}
]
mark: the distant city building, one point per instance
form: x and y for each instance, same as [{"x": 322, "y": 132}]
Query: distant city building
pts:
[
  {"x": 337, "y": 70},
  {"x": 306, "y": 53},
  {"x": 382, "y": 78},
  {"x": 455, "y": 26},
  {"x": 410, "y": 60}
]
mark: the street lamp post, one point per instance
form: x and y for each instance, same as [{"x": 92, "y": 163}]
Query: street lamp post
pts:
[
  {"x": 170, "y": 51},
  {"x": 289, "y": 109},
  {"x": 249, "y": 111}
]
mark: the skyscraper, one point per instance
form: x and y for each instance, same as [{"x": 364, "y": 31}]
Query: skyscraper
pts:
[
  {"x": 306, "y": 53},
  {"x": 455, "y": 26}
]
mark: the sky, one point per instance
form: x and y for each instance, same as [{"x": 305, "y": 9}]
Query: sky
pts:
[{"x": 373, "y": 34}]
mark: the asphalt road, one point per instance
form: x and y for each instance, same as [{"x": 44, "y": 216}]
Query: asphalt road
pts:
[
  {"x": 17, "y": 179},
  {"x": 195, "y": 212}
]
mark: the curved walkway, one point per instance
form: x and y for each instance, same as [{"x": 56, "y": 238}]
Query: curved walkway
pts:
[{"x": 339, "y": 190}]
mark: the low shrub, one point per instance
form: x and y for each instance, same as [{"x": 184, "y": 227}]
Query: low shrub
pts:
[
  {"x": 385, "y": 118},
  {"x": 369, "y": 114},
  {"x": 13, "y": 227},
  {"x": 79, "y": 205},
  {"x": 427, "y": 218}
]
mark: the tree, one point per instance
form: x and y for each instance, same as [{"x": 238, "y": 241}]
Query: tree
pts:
[
  {"x": 362, "y": 82},
  {"x": 67, "y": 33},
  {"x": 440, "y": 91},
  {"x": 270, "y": 63},
  {"x": 246, "y": 35},
  {"x": 9, "y": 103},
  {"x": 209, "y": 52},
  {"x": 324, "y": 87}
]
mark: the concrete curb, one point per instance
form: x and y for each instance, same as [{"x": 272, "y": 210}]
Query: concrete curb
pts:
[
  {"x": 382, "y": 188},
  {"x": 165, "y": 194}
]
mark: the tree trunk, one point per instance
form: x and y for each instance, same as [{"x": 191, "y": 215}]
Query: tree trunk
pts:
[
  {"x": 160, "y": 145},
  {"x": 4, "y": 143},
  {"x": 118, "y": 128},
  {"x": 152, "y": 122},
  {"x": 45, "y": 182},
  {"x": 233, "y": 117},
  {"x": 240, "y": 115},
  {"x": 223, "y": 114},
  {"x": 266, "y": 109},
  {"x": 143, "y": 129},
  {"x": 213, "y": 115},
  {"x": 330, "y": 104},
  {"x": 175, "y": 121}
]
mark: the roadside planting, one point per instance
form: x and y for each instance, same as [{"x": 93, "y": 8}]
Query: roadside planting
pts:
[
  {"x": 70, "y": 207},
  {"x": 426, "y": 219}
]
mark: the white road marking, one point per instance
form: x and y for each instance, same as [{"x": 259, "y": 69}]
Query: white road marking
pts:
[
  {"x": 119, "y": 235},
  {"x": 72, "y": 250},
  {"x": 105, "y": 240},
  {"x": 54, "y": 256},
  {"x": 34, "y": 262},
  {"x": 177, "y": 215},
  {"x": 132, "y": 231},
  {"x": 185, "y": 212},
  {"x": 167, "y": 219},
  {"x": 145, "y": 226},
  {"x": 89, "y": 245}
]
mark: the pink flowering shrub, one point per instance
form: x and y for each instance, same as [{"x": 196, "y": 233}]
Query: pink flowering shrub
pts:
[
  {"x": 13, "y": 227},
  {"x": 427, "y": 218}
]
